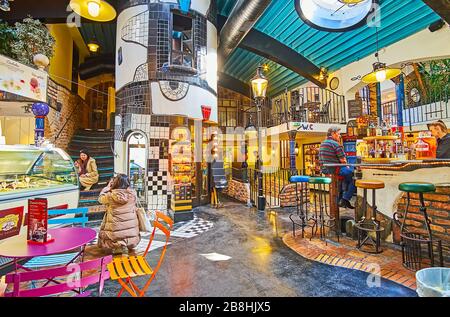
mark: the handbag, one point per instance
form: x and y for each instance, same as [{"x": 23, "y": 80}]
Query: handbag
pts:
[{"x": 144, "y": 220}]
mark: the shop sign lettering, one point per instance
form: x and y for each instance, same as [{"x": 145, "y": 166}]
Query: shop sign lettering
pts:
[
  {"x": 10, "y": 222},
  {"x": 301, "y": 126}
]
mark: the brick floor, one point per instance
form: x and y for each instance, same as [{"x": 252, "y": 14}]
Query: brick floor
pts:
[{"x": 346, "y": 255}]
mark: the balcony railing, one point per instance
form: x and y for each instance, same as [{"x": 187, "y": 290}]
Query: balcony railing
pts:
[
  {"x": 419, "y": 109},
  {"x": 427, "y": 107},
  {"x": 311, "y": 104}
]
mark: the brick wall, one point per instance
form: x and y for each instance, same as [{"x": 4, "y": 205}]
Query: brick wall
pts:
[
  {"x": 238, "y": 190},
  {"x": 288, "y": 196},
  {"x": 72, "y": 109},
  {"x": 438, "y": 209}
]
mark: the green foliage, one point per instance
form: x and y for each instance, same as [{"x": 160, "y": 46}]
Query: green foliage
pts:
[
  {"x": 7, "y": 37},
  {"x": 436, "y": 77},
  {"x": 32, "y": 37}
]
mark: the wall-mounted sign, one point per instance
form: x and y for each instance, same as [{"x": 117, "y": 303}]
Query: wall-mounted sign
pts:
[
  {"x": 22, "y": 80},
  {"x": 354, "y": 108},
  {"x": 10, "y": 222}
]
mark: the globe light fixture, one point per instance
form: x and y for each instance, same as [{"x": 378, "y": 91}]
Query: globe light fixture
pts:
[{"x": 95, "y": 10}]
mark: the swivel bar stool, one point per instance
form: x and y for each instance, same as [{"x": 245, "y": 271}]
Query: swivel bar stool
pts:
[
  {"x": 368, "y": 225},
  {"x": 413, "y": 238},
  {"x": 301, "y": 200},
  {"x": 321, "y": 218}
]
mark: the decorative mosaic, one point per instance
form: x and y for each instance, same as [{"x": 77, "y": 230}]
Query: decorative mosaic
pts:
[
  {"x": 141, "y": 73},
  {"x": 136, "y": 29}
]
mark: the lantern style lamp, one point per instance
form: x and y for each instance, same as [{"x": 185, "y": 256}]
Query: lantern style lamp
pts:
[
  {"x": 259, "y": 84},
  {"x": 95, "y": 10},
  {"x": 297, "y": 149},
  {"x": 259, "y": 87}
]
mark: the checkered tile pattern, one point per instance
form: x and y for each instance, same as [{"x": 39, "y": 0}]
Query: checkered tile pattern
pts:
[{"x": 158, "y": 182}]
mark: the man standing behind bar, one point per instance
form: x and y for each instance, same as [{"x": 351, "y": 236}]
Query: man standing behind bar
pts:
[
  {"x": 439, "y": 131},
  {"x": 331, "y": 152}
]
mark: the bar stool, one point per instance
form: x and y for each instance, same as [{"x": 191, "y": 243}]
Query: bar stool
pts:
[
  {"x": 369, "y": 223},
  {"x": 411, "y": 239},
  {"x": 303, "y": 180},
  {"x": 321, "y": 218}
]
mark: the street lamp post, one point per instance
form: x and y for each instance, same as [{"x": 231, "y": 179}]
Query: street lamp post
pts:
[{"x": 259, "y": 89}]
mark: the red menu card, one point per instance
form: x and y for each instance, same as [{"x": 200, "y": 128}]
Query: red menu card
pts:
[{"x": 37, "y": 220}]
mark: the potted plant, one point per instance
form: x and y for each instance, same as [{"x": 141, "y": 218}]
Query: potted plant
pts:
[
  {"x": 32, "y": 37},
  {"x": 7, "y": 37}
]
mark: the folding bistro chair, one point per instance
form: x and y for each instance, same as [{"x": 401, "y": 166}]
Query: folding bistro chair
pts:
[
  {"x": 72, "y": 279},
  {"x": 123, "y": 269}
]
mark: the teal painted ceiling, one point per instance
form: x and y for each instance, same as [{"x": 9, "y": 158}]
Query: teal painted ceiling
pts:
[{"x": 333, "y": 50}]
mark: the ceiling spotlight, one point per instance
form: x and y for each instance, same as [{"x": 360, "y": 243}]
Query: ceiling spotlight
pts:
[
  {"x": 4, "y": 5},
  {"x": 93, "y": 46}
]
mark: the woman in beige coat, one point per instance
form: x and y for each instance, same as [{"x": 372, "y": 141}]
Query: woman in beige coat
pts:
[
  {"x": 120, "y": 227},
  {"x": 87, "y": 170}
]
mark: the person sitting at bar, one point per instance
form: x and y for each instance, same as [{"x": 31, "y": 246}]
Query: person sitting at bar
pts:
[
  {"x": 87, "y": 170},
  {"x": 331, "y": 152},
  {"x": 439, "y": 130}
]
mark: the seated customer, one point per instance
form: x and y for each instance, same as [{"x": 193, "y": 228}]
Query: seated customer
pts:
[
  {"x": 119, "y": 230},
  {"x": 87, "y": 170},
  {"x": 331, "y": 152},
  {"x": 440, "y": 132}
]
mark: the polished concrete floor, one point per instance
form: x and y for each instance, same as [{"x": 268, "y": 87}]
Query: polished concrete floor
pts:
[{"x": 260, "y": 264}]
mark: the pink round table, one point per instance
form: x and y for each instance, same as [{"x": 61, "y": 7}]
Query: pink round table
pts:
[{"x": 66, "y": 239}]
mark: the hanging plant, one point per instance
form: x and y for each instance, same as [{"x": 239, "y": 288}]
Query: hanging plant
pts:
[
  {"x": 7, "y": 37},
  {"x": 32, "y": 37}
]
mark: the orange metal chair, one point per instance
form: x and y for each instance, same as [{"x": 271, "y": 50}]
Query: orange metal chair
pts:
[{"x": 123, "y": 269}]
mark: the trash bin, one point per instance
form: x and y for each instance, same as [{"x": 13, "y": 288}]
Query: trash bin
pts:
[{"x": 433, "y": 282}]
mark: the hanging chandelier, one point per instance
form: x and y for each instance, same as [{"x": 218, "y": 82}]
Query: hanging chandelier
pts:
[
  {"x": 380, "y": 71},
  {"x": 95, "y": 10}
]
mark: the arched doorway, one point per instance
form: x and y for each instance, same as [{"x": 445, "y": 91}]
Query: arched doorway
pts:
[{"x": 136, "y": 164}]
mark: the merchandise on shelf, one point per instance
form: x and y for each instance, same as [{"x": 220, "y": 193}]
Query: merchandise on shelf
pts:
[{"x": 311, "y": 159}]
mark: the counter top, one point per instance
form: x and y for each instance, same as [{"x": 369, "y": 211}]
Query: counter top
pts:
[{"x": 399, "y": 165}]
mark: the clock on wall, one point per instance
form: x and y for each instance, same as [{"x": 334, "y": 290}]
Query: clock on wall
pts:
[
  {"x": 174, "y": 90},
  {"x": 334, "y": 83},
  {"x": 413, "y": 94}
]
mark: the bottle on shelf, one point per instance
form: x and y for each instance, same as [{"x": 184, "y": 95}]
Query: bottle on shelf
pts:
[{"x": 384, "y": 129}]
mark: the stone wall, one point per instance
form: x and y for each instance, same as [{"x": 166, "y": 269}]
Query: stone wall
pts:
[
  {"x": 238, "y": 190},
  {"x": 438, "y": 210},
  {"x": 68, "y": 118},
  {"x": 288, "y": 196}
]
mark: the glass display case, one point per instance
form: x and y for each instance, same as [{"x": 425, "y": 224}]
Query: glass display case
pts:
[
  {"x": 26, "y": 171},
  {"x": 311, "y": 159}
]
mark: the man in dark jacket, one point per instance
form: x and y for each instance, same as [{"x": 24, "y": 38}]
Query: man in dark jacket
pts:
[{"x": 440, "y": 132}]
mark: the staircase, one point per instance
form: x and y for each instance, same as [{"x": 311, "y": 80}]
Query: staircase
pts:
[{"x": 99, "y": 144}]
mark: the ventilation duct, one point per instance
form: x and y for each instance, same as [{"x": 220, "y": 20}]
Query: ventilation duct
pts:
[{"x": 241, "y": 20}]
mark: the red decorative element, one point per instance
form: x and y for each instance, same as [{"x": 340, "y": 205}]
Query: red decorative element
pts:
[
  {"x": 10, "y": 222},
  {"x": 206, "y": 112}
]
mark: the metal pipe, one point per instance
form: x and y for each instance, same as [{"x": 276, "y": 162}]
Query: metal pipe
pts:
[{"x": 241, "y": 20}]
